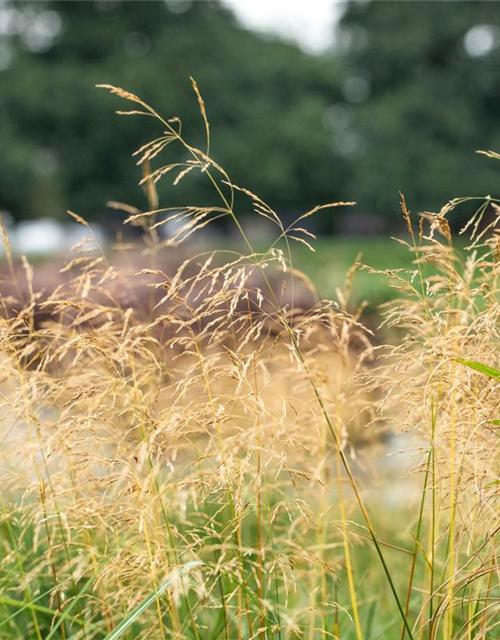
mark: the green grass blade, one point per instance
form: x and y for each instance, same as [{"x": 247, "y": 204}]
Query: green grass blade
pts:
[
  {"x": 482, "y": 368},
  {"x": 135, "y": 613},
  {"x": 31, "y": 606},
  {"x": 23, "y": 607},
  {"x": 370, "y": 619},
  {"x": 70, "y": 607},
  {"x": 219, "y": 626}
]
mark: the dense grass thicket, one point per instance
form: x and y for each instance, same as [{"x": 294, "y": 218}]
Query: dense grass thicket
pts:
[{"x": 203, "y": 455}]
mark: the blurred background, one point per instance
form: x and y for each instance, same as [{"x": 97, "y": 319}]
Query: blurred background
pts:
[{"x": 309, "y": 102}]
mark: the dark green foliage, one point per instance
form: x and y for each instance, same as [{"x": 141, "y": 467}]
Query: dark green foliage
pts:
[
  {"x": 265, "y": 100},
  {"x": 399, "y": 106},
  {"x": 431, "y": 103}
]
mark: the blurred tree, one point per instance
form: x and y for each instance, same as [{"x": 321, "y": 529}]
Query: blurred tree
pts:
[
  {"x": 421, "y": 91},
  {"x": 64, "y": 147}
]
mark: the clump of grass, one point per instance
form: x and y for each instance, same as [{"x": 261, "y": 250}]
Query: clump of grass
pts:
[
  {"x": 448, "y": 309},
  {"x": 193, "y": 462}
]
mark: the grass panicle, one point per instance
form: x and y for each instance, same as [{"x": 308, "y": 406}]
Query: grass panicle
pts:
[{"x": 170, "y": 409}]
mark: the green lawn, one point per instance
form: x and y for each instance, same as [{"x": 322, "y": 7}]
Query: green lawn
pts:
[{"x": 329, "y": 265}]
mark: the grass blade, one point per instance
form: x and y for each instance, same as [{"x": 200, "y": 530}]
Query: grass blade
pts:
[
  {"x": 482, "y": 368},
  {"x": 135, "y": 613},
  {"x": 70, "y": 607}
]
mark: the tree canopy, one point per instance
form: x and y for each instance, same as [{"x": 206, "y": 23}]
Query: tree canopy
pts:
[
  {"x": 425, "y": 86},
  {"x": 403, "y": 100},
  {"x": 63, "y": 144}
]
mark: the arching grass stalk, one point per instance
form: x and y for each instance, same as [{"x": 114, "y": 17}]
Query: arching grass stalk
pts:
[{"x": 205, "y": 164}]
